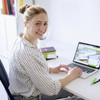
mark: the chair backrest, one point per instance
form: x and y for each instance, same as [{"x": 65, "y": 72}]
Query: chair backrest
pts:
[{"x": 4, "y": 79}]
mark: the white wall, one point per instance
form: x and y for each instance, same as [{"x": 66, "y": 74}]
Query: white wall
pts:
[
  {"x": 73, "y": 20},
  {"x": 30, "y": 2},
  {"x": 8, "y": 33}
]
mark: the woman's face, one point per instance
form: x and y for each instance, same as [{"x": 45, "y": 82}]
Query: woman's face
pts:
[{"x": 37, "y": 26}]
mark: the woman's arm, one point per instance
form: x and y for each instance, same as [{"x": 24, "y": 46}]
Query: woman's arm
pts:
[{"x": 72, "y": 74}]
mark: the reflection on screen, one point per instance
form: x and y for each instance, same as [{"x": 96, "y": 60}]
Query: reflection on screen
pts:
[{"x": 89, "y": 55}]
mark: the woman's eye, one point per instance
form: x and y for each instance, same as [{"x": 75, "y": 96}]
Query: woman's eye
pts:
[
  {"x": 45, "y": 23},
  {"x": 37, "y": 24}
]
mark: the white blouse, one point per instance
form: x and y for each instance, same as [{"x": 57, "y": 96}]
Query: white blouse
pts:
[{"x": 29, "y": 73}]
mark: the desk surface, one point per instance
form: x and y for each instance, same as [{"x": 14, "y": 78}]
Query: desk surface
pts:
[{"x": 79, "y": 86}]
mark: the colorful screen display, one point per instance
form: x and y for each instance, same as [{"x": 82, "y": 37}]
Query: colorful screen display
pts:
[{"x": 88, "y": 55}]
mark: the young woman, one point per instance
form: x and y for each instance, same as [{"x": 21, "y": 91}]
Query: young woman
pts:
[{"x": 29, "y": 72}]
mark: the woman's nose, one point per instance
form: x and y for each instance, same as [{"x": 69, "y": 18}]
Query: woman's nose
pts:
[{"x": 42, "y": 28}]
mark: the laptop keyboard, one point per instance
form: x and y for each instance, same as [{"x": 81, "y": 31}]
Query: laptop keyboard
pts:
[{"x": 84, "y": 69}]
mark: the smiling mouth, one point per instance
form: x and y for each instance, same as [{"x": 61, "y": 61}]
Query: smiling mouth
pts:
[{"x": 40, "y": 34}]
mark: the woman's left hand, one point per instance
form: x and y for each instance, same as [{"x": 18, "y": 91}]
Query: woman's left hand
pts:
[{"x": 58, "y": 69}]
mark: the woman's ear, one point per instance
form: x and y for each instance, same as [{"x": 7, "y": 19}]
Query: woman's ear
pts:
[{"x": 25, "y": 24}]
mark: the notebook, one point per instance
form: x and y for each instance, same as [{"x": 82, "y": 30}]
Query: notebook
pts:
[{"x": 87, "y": 57}]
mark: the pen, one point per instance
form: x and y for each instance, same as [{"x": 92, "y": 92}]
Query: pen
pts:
[
  {"x": 93, "y": 81},
  {"x": 96, "y": 81}
]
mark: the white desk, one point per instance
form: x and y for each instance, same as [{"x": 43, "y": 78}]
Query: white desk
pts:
[{"x": 79, "y": 86}]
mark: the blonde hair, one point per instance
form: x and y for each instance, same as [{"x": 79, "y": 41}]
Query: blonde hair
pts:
[{"x": 30, "y": 11}]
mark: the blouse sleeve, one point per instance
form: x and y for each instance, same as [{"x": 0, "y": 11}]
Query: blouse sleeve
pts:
[{"x": 37, "y": 70}]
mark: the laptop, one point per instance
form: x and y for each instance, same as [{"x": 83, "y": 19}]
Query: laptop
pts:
[{"x": 87, "y": 57}]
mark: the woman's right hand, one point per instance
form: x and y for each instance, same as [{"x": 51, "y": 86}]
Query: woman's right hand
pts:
[{"x": 74, "y": 72}]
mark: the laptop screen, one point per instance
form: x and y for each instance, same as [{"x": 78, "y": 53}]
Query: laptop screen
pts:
[{"x": 88, "y": 54}]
